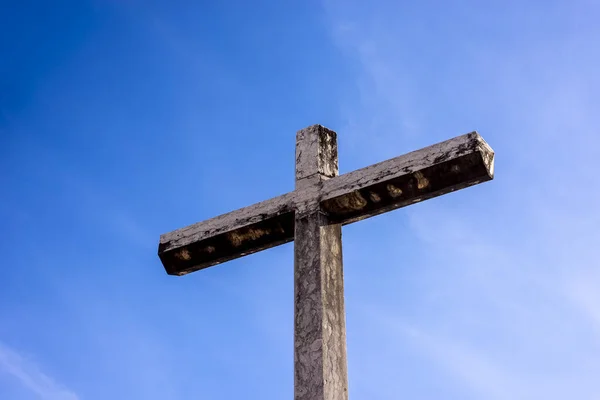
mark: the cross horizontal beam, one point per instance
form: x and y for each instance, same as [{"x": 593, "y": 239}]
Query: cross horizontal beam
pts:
[{"x": 420, "y": 175}]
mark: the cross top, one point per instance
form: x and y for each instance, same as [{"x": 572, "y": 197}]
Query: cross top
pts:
[{"x": 312, "y": 216}]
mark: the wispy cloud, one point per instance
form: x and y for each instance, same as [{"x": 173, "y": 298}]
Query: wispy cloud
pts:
[
  {"x": 583, "y": 291},
  {"x": 477, "y": 371},
  {"x": 30, "y": 376}
]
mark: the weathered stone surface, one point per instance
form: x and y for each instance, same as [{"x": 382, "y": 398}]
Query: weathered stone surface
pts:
[
  {"x": 423, "y": 174},
  {"x": 320, "y": 371},
  {"x": 316, "y": 155}
]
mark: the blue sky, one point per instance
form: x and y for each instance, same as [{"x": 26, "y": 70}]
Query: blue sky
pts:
[{"x": 122, "y": 120}]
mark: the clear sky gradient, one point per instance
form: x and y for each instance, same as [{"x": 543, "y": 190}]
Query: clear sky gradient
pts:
[{"x": 121, "y": 120}]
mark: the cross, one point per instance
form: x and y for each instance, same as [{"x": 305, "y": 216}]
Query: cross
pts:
[{"x": 312, "y": 216}]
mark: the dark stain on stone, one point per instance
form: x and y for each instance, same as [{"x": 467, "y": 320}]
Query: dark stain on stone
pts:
[
  {"x": 441, "y": 158},
  {"x": 328, "y": 154}
]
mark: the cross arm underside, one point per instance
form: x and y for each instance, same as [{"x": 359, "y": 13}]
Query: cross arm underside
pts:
[{"x": 420, "y": 175}]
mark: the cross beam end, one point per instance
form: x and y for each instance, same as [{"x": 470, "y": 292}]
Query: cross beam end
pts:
[
  {"x": 228, "y": 236},
  {"x": 423, "y": 174}
]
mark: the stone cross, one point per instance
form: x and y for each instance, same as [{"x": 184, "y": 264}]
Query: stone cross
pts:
[{"x": 312, "y": 216}]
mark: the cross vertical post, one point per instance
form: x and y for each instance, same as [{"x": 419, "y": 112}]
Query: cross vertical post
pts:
[{"x": 320, "y": 367}]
